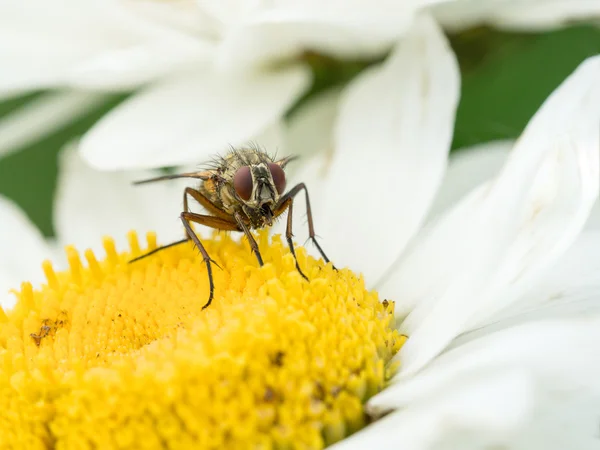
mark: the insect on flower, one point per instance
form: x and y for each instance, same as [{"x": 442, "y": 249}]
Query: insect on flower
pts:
[{"x": 244, "y": 190}]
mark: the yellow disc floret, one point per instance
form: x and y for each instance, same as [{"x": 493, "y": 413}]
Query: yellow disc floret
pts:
[{"x": 118, "y": 355}]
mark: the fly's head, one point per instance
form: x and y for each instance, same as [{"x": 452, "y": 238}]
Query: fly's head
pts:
[{"x": 259, "y": 184}]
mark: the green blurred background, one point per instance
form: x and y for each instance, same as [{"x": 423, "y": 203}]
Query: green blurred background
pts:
[{"x": 505, "y": 78}]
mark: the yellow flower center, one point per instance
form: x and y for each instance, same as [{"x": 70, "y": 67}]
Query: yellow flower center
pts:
[{"x": 119, "y": 355}]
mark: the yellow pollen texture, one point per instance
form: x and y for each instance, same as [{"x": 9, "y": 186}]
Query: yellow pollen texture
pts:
[{"x": 116, "y": 355}]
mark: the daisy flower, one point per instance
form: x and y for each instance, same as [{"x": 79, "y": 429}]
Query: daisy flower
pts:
[{"x": 496, "y": 295}]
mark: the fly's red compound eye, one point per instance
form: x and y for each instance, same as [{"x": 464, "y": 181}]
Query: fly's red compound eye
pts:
[
  {"x": 242, "y": 182},
  {"x": 278, "y": 177}
]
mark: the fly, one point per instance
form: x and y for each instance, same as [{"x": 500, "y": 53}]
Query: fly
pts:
[{"x": 244, "y": 190}]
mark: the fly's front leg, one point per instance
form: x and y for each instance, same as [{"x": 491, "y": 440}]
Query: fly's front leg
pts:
[
  {"x": 289, "y": 205},
  {"x": 286, "y": 200},
  {"x": 213, "y": 222},
  {"x": 253, "y": 245}
]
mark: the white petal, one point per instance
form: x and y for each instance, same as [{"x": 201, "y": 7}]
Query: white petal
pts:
[
  {"x": 310, "y": 128},
  {"x": 91, "y": 204},
  {"x": 593, "y": 222},
  {"x": 495, "y": 244},
  {"x": 185, "y": 120},
  {"x": 226, "y": 14},
  {"x": 559, "y": 358},
  {"x": 462, "y": 14},
  {"x": 526, "y": 15},
  {"x": 273, "y": 139},
  {"x": 42, "y": 116},
  {"x": 571, "y": 288},
  {"x": 23, "y": 249},
  {"x": 467, "y": 169},
  {"x": 346, "y": 29},
  {"x": 477, "y": 412},
  {"x": 392, "y": 140},
  {"x": 128, "y": 68},
  {"x": 90, "y": 44},
  {"x": 183, "y": 16},
  {"x": 544, "y": 14}
]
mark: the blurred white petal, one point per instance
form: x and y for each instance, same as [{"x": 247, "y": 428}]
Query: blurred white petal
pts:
[
  {"x": 467, "y": 169},
  {"x": 23, "y": 249},
  {"x": 90, "y": 204},
  {"x": 392, "y": 140},
  {"x": 558, "y": 357},
  {"x": 227, "y": 14},
  {"x": 593, "y": 222},
  {"x": 310, "y": 128},
  {"x": 186, "y": 119},
  {"x": 479, "y": 410},
  {"x": 524, "y": 15},
  {"x": 184, "y": 16},
  {"x": 346, "y": 29},
  {"x": 499, "y": 240},
  {"x": 89, "y": 44},
  {"x": 273, "y": 139},
  {"x": 42, "y": 116},
  {"x": 128, "y": 68}
]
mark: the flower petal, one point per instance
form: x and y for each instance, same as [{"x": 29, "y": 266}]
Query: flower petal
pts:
[
  {"x": 186, "y": 119},
  {"x": 91, "y": 204},
  {"x": 593, "y": 222},
  {"x": 571, "y": 288},
  {"x": 23, "y": 249},
  {"x": 514, "y": 15},
  {"x": 310, "y": 128},
  {"x": 108, "y": 45},
  {"x": 392, "y": 140},
  {"x": 42, "y": 116},
  {"x": 346, "y": 29},
  {"x": 557, "y": 356},
  {"x": 467, "y": 169},
  {"x": 494, "y": 245},
  {"x": 475, "y": 412}
]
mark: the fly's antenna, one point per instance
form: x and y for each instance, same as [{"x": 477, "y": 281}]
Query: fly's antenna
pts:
[{"x": 288, "y": 159}]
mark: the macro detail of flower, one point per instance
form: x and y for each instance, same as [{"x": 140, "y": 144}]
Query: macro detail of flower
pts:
[
  {"x": 465, "y": 313},
  {"x": 477, "y": 309},
  {"x": 119, "y": 355}
]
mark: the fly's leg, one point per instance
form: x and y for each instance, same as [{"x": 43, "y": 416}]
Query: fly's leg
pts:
[
  {"x": 285, "y": 202},
  {"x": 204, "y": 201},
  {"x": 289, "y": 235},
  {"x": 253, "y": 245},
  {"x": 213, "y": 222}
]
